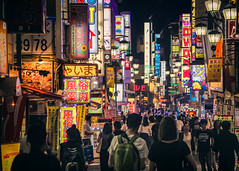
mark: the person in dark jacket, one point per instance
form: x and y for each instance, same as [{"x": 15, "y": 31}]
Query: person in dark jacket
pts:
[
  {"x": 227, "y": 145},
  {"x": 216, "y": 131},
  {"x": 117, "y": 128},
  {"x": 155, "y": 128}
]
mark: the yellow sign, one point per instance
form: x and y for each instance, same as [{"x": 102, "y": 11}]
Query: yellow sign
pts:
[
  {"x": 9, "y": 152},
  {"x": 214, "y": 70},
  {"x": 53, "y": 126},
  {"x": 81, "y": 70},
  {"x": 110, "y": 77},
  {"x": 68, "y": 118},
  {"x": 81, "y": 110}
]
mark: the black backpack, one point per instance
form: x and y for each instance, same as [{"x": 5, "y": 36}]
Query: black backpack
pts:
[{"x": 72, "y": 157}]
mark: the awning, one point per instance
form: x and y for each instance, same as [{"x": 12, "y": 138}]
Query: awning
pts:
[{"x": 41, "y": 93}]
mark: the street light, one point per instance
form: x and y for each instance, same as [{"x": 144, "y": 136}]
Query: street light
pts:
[
  {"x": 213, "y": 5},
  {"x": 136, "y": 72},
  {"x": 230, "y": 12},
  {"x": 130, "y": 57},
  {"x": 135, "y": 66},
  {"x": 167, "y": 72},
  {"x": 175, "y": 69},
  {"x": 114, "y": 50},
  {"x": 201, "y": 29},
  {"x": 214, "y": 36},
  {"x": 122, "y": 62},
  {"x": 123, "y": 45},
  {"x": 178, "y": 63}
]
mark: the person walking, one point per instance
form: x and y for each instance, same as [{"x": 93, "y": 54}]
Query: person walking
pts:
[
  {"x": 168, "y": 153},
  {"x": 106, "y": 137},
  {"x": 36, "y": 160},
  {"x": 205, "y": 142},
  {"x": 86, "y": 131},
  {"x": 129, "y": 139},
  {"x": 155, "y": 128},
  {"x": 70, "y": 153},
  {"x": 145, "y": 131},
  {"x": 117, "y": 128},
  {"x": 226, "y": 145},
  {"x": 179, "y": 124},
  {"x": 216, "y": 131}
]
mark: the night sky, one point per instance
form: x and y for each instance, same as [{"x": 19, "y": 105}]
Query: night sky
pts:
[{"x": 163, "y": 11}]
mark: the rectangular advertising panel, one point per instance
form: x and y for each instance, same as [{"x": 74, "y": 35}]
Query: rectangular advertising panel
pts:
[
  {"x": 80, "y": 70},
  {"x": 120, "y": 92},
  {"x": 199, "y": 77},
  {"x": 110, "y": 77},
  {"x": 214, "y": 70},
  {"x": 96, "y": 105},
  {"x": 3, "y": 48},
  {"x": 68, "y": 118},
  {"x": 146, "y": 52},
  {"x": 77, "y": 90},
  {"x": 163, "y": 70},
  {"x": 127, "y": 75},
  {"x": 119, "y": 25},
  {"x": 193, "y": 58},
  {"x": 236, "y": 117},
  {"x": 107, "y": 3},
  {"x": 157, "y": 55},
  {"x": 79, "y": 32},
  {"x": 81, "y": 111},
  {"x": 186, "y": 47},
  {"x": 107, "y": 28},
  {"x": 127, "y": 25}
]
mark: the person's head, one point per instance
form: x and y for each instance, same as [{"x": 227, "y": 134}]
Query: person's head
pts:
[
  {"x": 133, "y": 121},
  {"x": 36, "y": 135},
  {"x": 72, "y": 133},
  {"x": 217, "y": 124},
  {"x": 196, "y": 120},
  {"x": 226, "y": 125},
  {"x": 151, "y": 119},
  {"x": 203, "y": 123},
  {"x": 159, "y": 118},
  {"x": 186, "y": 127},
  {"x": 167, "y": 129},
  {"x": 179, "y": 118},
  {"x": 88, "y": 117},
  {"x": 173, "y": 117},
  {"x": 117, "y": 125},
  {"x": 107, "y": 129},
  {"x": 145, "y": 121}
]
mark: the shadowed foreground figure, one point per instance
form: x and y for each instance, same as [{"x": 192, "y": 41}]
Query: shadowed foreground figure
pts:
[{"x": 36, "y": 160}]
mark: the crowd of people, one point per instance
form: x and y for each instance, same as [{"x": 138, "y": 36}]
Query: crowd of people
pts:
[{"x": 165, "y": 143}]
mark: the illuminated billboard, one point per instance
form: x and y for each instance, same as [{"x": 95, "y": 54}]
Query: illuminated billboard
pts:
[
  {"x": 199, "y": 77},
  {"x": 146, "y": 51},
  {"x": 119, "y": 25},
  {"x": 77, "y": 90},
  {"x": 79, "y": 31},
  {"x": 107, "y": 28},
  {"x": 157, "y": 55},
  {"x": 193, "y": 58}
]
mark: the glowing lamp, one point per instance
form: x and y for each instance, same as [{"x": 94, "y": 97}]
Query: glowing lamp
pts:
[
  {"x": 114, "y": 50},
  {"x": 214, "y": 36},
  {"x": 230, "y": 12},
  {"x": 213, "y": 5},
  {"x": 123, "y": 45},
  {"x": 201, "y": 29}
]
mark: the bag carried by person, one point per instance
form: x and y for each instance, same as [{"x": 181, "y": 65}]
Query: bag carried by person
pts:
[
  {"x": 72, "y": 158},
  {"x": 98, "y": 148},
  {"x": 126, "y": 154}
]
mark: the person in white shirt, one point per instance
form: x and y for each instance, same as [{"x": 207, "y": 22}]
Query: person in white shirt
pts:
[
  {"x": 86, "y": 131},
  {"x": 179, "y": 124},
  {"x": 145, "y": 131},
  {"x": 133, "y": 123}
]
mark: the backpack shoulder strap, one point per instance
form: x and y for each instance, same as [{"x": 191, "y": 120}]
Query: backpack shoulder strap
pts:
[
  {"x": 131, "y": 141},
  {"x": 120, "y": 141}
]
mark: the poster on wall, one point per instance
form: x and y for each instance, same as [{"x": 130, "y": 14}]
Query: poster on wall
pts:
[
  {"x": 32, "y": 77},
  {"x": 68, "y": 118},
  {"x": 3, "y": 48},
  {"x": 8, "y": 153},
  {"x": 77, "y": 90},
  {"x": 79, "y": 32},
  {"x": 96, "y": 105},
  {"x": 52, "y": 126}
]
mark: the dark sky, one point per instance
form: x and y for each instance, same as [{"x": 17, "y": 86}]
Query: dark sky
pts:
[{"x": 163, "y": 11}]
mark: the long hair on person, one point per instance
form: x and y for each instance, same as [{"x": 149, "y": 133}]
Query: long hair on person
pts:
[
  {"x": 167, "y": 129},
  {"x": 145, "y": 121},
  {"x": 107, "y": 129}
]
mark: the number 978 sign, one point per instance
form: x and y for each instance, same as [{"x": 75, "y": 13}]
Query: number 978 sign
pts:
[{"x": 37, "y": 44}]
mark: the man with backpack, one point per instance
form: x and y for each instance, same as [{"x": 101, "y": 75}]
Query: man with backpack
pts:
[
  {"x": 70, "y": 153},
  {"x": 128, "y": 151}
]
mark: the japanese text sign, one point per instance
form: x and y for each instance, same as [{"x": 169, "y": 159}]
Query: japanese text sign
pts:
[
  {"x": 107, "y": 28},
  {"x": 214, "y": 70},
  {"x": 110, "y": 76},
  {"x": 198, "y": 77},
  {"x": 80, "y": 70},
  {"x": 68, "y": 118},
  {"x": 79, "y": 31},
  {"x": 77, "y": 90},
  {"x": 81, "y": 111},
  {"x": 223, "y": 118},
  {"x": 157, "y": 55},
  {"x": 3, "y": 47},
  {"x": 146, "y": 51}
]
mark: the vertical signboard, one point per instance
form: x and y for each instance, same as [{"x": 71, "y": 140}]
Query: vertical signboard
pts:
[
  {"x": 110, "y": 77},
  {"x": 193, "y": 58},
  {"x": 120, "y": 92},
  {"x": 157, "y": 55},
  {"x": 119, "y": 25},
  {"x": 79, "y": 32},
  {"x": 93, "y": 23},
  {"x": 163, "y": 70},
  {"x": 68, "y": 118},
  {"x": 81, "y": 111},
  {"x": 186, "y": 47},
  {"x": 107, "y": 28},
  {"x": 3, "y": 48},
  {"x": 77, "y": 90},
  {"x": 214, "y": 70},
  {"x": 127, "y": 25},
  {"x": 146, "y": 51},
  {"x": 199, "y": 77}
]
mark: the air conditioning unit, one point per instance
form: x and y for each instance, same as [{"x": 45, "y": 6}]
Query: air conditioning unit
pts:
[{"x": 37, "y": 106}]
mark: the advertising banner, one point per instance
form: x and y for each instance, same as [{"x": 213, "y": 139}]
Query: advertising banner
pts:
[
  {"x": 146, "y": 52},
  {"x": 96, "y": 105},
  {"x": 79, "y": 32},
  {"x": 127, "y": 25},
  {"x": 199, "y": 77},
  {"x": 9, "y": 152},
  {"x": 132, "y": 108},
  {"x": 110, "y": 77},
  {"x": 163, "y": 71},
  {"x": 186, "y": 47},
  {"x": 107, "y": 3},
  {"x": 33, "y": 77},
  {"x": 68, "y": 118},
  {"x": 120, "y": 92},
  {"x": 119, "y": 25},
  {"x": 157, "y": 55},
  {"x": 107, "y": 28},
  {"x": 199, "y": 48},
  {"x": 110, "y": 113},
  {"x": 3, "y": 48},
  {"x": 80, "y": 70},
  {"x": 81, "y": 111},
  {"x": 107, "y": 57},
  {"x": 26, "y": 16},
  {"x": 214, "y": 70},
  {"x": 52, "y": 126},
  {"x": 223, "y": 118},
  {"x": 127, "y": 76},
  {"x": 236, "y": 117},
  {"x": 77, "y": 90},
  {"x": 193, "y": 58}
]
